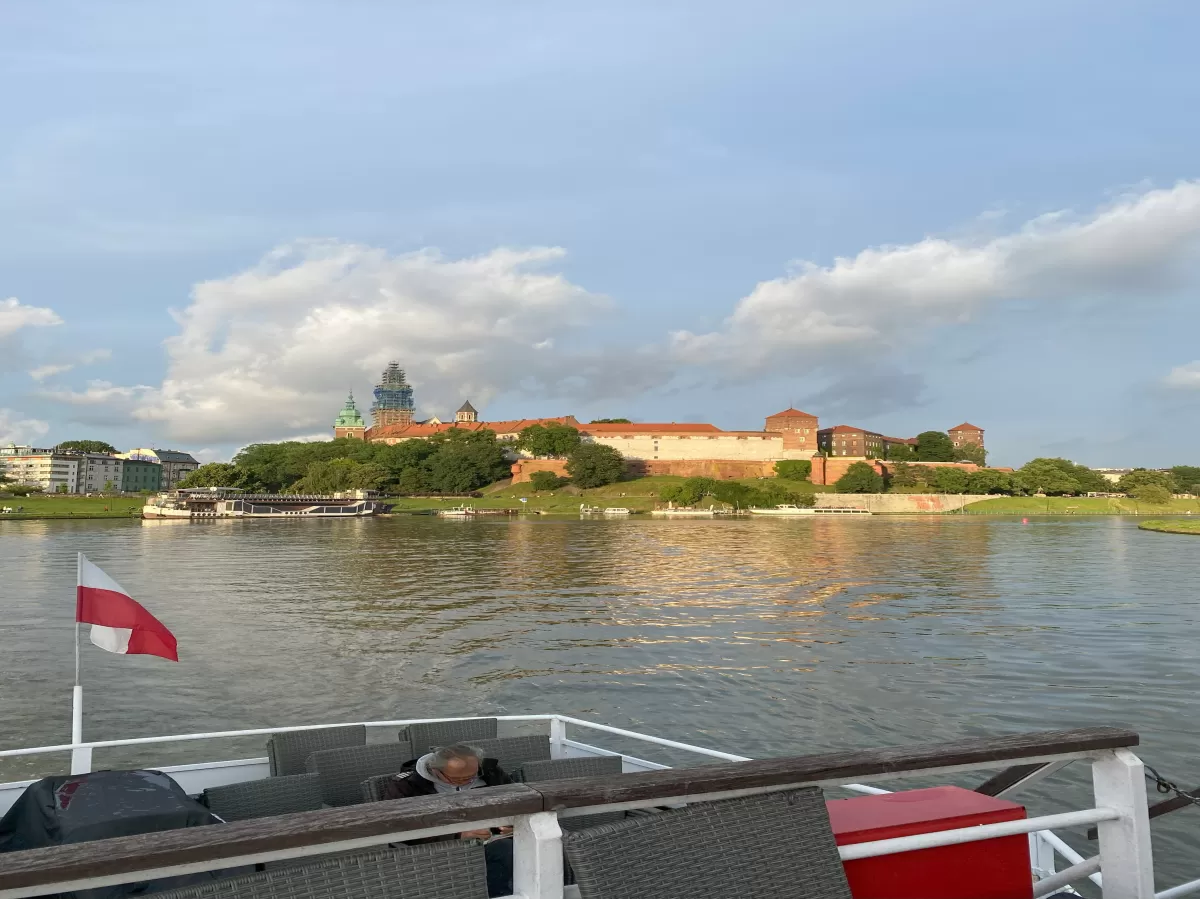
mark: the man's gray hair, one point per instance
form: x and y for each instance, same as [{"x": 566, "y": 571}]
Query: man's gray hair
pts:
[{"x": 444, "y": 754}]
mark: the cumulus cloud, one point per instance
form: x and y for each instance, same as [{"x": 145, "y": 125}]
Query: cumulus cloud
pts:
[
  {"x": 888, "y": 297},
  {"x": 15, "y": 315},
  {"x": 20, "y": 430},
  {"x": 272, "y": 350},
  {"x": 1185, "y": 377}
]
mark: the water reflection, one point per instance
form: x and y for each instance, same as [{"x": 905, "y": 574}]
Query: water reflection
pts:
[{"x": 759, "y": 636}]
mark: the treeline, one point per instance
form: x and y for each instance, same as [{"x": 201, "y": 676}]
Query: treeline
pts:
[
  {"x": 1052, "y": 477},
  {"x": 454, "y": 462},
  {"x": 694, "y": 490}
]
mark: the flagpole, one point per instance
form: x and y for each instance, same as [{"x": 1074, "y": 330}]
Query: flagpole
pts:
[{"x": 81, "y": 759}]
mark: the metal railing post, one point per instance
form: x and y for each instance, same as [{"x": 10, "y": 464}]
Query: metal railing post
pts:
[
  {"x": 558, "y": 736},
  {"x": 537, "y": 857},
  {"x": 1041, "y": 856},
  {"x": 1119, "y": 781}
]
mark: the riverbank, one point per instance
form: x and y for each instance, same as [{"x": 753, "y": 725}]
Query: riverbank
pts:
[
  {"x": 1079, "y": 505},
  {"x": 1179, "y": 526},
  {"x": 70, "y": 507}
]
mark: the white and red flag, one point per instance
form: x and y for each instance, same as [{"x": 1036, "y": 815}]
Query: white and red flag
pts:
[{"x": 119, "y": 623}]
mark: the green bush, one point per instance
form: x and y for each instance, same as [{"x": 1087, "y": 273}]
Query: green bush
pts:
[
  {"x": 793, "y": 469},
  {"x": 1154, "y": 494},
  {"x": 860, "y": 477},
  {"x": 547, "y": 480},
  {"x": 595, "y": 465}
]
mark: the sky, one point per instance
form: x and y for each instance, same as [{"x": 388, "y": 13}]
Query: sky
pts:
[{"x": 216, "y": 219}]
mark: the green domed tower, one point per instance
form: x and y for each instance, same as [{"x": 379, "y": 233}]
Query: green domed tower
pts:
[{"x": 349, "y": 422}]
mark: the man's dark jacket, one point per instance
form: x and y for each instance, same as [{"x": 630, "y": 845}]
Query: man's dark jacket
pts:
[{"x": 409, "y": 783}]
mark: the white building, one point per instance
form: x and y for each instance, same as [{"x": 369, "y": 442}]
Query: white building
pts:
[
  {"x": 99, "y": 473},
  {"x": 691, "y": 442},
  {"x": 53, "y": 472}
]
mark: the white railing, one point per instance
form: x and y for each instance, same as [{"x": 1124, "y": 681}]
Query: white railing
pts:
[{"x": 1120, "y": 815}]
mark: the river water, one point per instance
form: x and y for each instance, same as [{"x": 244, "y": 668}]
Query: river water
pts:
[{"x": 760, "y": 637}]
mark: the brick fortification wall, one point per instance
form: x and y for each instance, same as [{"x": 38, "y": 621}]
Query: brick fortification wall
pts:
[
  {"x": 718, "y": 469},
  {"x": 899, "y": 503},
  {"x": 827, "y": 471}
]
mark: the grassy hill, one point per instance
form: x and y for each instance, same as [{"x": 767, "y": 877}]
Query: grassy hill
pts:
[{"x": 1174, "y": 526}]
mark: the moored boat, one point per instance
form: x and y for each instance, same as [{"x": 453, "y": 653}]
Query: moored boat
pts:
[
  {"x": 463, "y": 511},
  {"x": 206, "y": 503},
  {"x": 788, "y": 509}
]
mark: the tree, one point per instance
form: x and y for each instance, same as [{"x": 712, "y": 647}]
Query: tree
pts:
[
  {"x": 108, "y": 487},
  {"x": 595, "y": 464},
  {"x": 1141, "y": 477},
  {"x": 1152, "y": 494},
  {"x": 547, "y": 480},
  {"x": 905, "y": 475},
  {"x": 88, "y": 446},
  {"x": 1186, "y": 478},
  {"x": 860, "y": 477},
  {"x": 464, "y": 461},
  {"x": 610, "y": 421},
  {"x": 1048, "y": 476},
  {"x": 935, "y": 446},
  {"x": 214, "y": 474},
  {"x": 900, "y": 452},
  {"x": 793, "y": 469},
  {"x": 949, "y": 480},
  {"x": 988, "y": 480},
  {"x": 971, "y": 452},
  {"x": 553, "y": 440}
]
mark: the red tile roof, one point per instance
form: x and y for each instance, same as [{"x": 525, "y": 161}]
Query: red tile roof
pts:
[
  {"x": 965, "y": 427},
  {"x": 844, "y": 429},
  {"x": 649, "y": 428},
  {"x": 512, "y": 426},
  {"x": 791, "y": 412}
]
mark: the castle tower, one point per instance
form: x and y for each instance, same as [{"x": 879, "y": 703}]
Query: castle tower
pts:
[
  {"x": 799, "y": 429},
  {"x": 393, "y": 399},
  {"x": 466, "y": 413},
  {"x": 349, "y": 422}
]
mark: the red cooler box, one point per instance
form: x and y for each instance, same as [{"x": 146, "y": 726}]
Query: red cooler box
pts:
[{"x": 987, "y": 869}]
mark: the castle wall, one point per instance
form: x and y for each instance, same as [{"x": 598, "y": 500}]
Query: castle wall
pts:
[{"x": 750, "y": 446}]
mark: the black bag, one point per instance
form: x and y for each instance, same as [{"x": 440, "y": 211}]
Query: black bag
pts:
[{"x": 98, "y": 806}]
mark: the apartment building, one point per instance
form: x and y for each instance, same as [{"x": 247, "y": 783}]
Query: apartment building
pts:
[
  {"x": 98, "y": 473},
  {"x": 176, "y": 465},
  {"x": 52, "y": 472}
]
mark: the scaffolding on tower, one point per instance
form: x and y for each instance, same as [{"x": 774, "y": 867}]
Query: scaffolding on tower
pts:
[{"x": 393, "y": 398}]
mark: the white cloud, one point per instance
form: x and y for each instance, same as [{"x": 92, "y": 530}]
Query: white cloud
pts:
[
  {"x": 42, "y": 372},
  {"x": 890, "y": 296},
  {"x": 1186, "y": 377},
  {"x": 100, "y": 393},
  {"x": 272, "y": 350},
  {"x": 48, "y": 371},
  {"x": 20, "y": 430},
  {"x": 15, "y": 315}
]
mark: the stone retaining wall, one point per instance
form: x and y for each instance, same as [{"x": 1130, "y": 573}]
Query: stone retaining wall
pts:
[{"x": 899, "y": 503}]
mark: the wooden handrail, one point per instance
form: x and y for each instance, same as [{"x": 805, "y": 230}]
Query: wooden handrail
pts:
[
  {"x": 39, "y": 867},
  {"x": 36, "y": 867},
  {"x": 831, "y": 767}
]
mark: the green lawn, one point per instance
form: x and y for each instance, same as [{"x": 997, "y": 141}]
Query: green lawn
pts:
[
  {"x": 1078, "y": 505},
  {"x": 1175, "y": 526},
  {"x": 71, "y": 506}
]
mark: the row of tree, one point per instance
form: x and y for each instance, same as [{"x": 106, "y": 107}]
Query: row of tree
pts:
[
  {"x": 693, "y": 491},
  {"x": 454, "y": 462},
  {"x": 1053, "y": 477}
]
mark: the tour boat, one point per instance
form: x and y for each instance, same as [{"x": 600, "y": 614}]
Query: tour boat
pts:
[
  {"x": 585, "y": 509},
  {"x": 1121, "y": 863},
  {"x": 683, "y": 513},
  {"x": 791, "y": 509},
  {"x": 205, "y": 503}
]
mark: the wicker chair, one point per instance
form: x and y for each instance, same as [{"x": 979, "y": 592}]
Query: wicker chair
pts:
[
  {"x": 776, "y": 845},
  {"x": 513, "y": 752},
  {"x": 288, "y": 751},
  {"x": 372, "y": 788},
  {"x": 562, "y": 769},
  {"x": 266, "y": 797},
  {"x": 425, "y": 737},
  {"x": 453, "y": 869},
  {"x": 342, "y": 771}
]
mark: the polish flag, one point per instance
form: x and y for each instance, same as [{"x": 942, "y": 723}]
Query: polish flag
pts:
[{"x": 119, "y": 623}]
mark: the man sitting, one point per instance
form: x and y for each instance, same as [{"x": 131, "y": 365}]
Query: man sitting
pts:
[{"x": 455, "y": 769}]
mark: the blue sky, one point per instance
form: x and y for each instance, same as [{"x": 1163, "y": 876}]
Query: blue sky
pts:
[{"x": 216, "y": 219}]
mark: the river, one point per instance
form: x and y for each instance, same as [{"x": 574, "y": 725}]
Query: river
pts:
[{"x": 761, "y": 637}]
